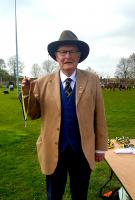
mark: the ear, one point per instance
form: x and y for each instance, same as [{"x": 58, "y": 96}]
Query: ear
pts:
[
  {"x": 79, "y": 55},
  {"x": 56, "y": 55}
]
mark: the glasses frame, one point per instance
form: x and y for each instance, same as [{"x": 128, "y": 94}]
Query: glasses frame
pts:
[{"x": 71, "y": 52}]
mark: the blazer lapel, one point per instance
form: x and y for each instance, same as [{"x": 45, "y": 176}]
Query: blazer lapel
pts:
[
  {"x": 55, "y": 81},
  {"x": 81, "y": 82}
]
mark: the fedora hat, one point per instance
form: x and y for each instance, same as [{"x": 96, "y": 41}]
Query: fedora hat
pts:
[{"x": 69, "y": 38}]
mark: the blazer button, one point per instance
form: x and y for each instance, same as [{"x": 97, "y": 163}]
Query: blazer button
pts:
[
  {"x": 58, "y": 129},
  {"x": 56, "y": 143}
]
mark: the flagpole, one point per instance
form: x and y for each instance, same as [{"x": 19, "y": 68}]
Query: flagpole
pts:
[{"x": 16, "y": 41}]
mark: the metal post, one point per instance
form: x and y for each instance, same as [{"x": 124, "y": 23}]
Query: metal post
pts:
[{"x": 17, "y": 71}]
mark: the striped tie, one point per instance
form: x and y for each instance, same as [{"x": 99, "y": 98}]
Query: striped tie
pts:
[{"x": 68, "y": 89}]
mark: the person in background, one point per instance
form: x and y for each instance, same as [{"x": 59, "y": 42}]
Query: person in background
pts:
[
  {"x": 73, "y": 125},
  {"x": 11, "y": 87},
  {"x": 6, "y": 89}
]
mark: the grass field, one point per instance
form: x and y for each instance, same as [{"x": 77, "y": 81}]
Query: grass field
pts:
[{"x": 20, "y": 176}]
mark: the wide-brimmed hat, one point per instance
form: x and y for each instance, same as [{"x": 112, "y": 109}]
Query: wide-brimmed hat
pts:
[{"x": 69, "y": 38}]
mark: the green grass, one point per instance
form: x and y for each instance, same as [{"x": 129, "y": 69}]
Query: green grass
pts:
[
  {"x": 20, "y": 176},
  {"x": 120, "y": 112}
]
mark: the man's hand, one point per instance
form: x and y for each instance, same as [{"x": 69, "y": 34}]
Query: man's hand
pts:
[
  {"x": 26, "y": 86},
  {"x": 99, "y": 157}
]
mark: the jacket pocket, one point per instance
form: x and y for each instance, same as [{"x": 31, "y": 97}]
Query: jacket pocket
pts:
[{"x": 41, "y": 152}]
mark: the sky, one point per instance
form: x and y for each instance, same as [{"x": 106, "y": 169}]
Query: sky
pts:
[{"x": 107, "y": 26}]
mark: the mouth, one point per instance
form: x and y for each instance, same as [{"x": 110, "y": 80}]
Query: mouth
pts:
[{"x": 67, "y": 63}]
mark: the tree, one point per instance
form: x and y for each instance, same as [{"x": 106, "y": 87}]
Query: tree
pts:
[
  {"x": 35, "y": 71},
  {"x": 89, "y": 69},
  {"x": 131, "y": 61},
  {"x": 2, "y": 64},
  {"x": 49, "y": 66},
  {"x": 123, "y": 69},
  {"x": 13, "y": 66},
  {"x": 4, "y": 75}
]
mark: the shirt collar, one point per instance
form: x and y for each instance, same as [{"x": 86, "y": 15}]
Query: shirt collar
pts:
[{"x": 63, "y": 77}]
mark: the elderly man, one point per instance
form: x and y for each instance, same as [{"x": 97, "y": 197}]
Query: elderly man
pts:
[{"x": 73, "y": 127}]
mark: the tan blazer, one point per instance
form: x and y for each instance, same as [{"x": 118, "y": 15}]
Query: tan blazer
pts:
[{"x": 45, "y": 102}]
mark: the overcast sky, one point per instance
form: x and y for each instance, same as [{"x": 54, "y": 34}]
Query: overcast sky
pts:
[{"x": 108, "y": 26}]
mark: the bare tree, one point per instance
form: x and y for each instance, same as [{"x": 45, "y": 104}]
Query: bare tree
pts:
[
  {"x": 2, "y": 64},
  {"x": 131, "y": 61},
  {"x": 49, "y": 66},
  {"x": 36, "y": 71},
  {"x": 13, "y": 66},
  {"x": 123, "y": 69},
  {"x": 89, "y": 69}
]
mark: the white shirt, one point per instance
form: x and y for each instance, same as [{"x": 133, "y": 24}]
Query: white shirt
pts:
[{"x": 63, "y": 78}]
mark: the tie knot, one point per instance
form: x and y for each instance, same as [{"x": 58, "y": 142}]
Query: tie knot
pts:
[{"x": 68, "y": 80}]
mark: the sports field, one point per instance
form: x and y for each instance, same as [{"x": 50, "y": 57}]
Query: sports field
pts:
[{"x": 20, "y": 176}]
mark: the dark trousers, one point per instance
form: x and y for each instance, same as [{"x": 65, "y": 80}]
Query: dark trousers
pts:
[{"x": 74, "y": 164}]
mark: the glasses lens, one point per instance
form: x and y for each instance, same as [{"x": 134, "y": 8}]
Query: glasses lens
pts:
[{"x": 64, "y": 52}]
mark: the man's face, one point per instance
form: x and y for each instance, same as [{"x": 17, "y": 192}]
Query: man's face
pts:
[{"x": 68, "y": 57}]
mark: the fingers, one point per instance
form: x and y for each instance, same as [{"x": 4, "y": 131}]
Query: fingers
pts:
[
  {"x": 25, "y": 85},
  {"x": 26, "y": 82}
]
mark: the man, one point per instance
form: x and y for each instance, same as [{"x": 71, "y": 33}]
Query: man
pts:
[{"x": 73, "y": 128}]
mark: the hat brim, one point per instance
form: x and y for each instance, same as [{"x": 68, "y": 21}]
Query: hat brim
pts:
[{"x": 83, "y": 48}]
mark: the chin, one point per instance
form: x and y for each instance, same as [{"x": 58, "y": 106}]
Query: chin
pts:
[
  {"x": 69, "y": 66},
  {"x": 69, "y": 69}
]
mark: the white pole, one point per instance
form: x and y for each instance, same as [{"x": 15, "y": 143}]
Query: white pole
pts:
[{"x": 17, "y": 71}]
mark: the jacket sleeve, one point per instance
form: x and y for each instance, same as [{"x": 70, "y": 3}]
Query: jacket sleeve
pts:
[
  {"x": 33, "y": 110},
  {"x": 100, "y": 120}
]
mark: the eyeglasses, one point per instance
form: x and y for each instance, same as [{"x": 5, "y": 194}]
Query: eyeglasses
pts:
[{"x": 71, "y": 52}]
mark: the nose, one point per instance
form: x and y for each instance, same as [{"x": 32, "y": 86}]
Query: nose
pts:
[{"x": 68, "y": 54}]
